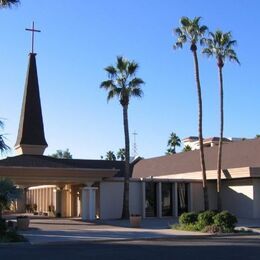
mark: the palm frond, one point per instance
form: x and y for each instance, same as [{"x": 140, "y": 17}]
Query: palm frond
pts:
[
  {"x": 185, "y": 21},
  {"x": 3, "y": 146},
  {"x": 107, "y": 84},
  {"x": 135, "y": 82},
  {"x": 137, "y": 92},
  {"x": 207, "y": 51},
  {"x": 132, "y": 68},
  {"x": 111, "y": 70},
  {"x": 8, "y": 3},
  {"x": 121, "y": 64}
]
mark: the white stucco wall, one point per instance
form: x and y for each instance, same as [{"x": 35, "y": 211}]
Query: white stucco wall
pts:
[
  {"x": 111, "y": 199},
  {"x": 196, "y": 197}
]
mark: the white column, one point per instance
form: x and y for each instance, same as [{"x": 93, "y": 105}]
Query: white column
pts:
[
  {"x": 21, "y": 201},
  {"x": 88, "y": 202}
]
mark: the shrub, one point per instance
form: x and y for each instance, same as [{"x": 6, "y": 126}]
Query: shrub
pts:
[
  {"x": 3, "y": 227},
  {"x": 205, "y": 219},
  {"x": 212, "y": 229},
  {"x": 226, "y": 221},
  {"x": 188, "y": 218},
  {"x": 12, "y": 236}
]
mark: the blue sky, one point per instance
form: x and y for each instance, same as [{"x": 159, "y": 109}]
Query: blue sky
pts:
[{"x": 78, "y": 40}]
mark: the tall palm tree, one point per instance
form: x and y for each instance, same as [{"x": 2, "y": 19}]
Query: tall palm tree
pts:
[
  {"x": 220, "y": 45},
  {"x": 124, "y": 84},
  {"x": 8, "y": 3},
  {"x": 191, "y": 32},
  {"x": 173, "y": 141}
]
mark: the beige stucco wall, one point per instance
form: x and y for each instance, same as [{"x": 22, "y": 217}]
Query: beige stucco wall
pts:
[
  {"x": 237, "y": 197},
  {"x": 111, "y": 199},
  {"x": 256, "y": 207},
  {"x": 135, "y": 200},
  {"x": 196, "y": 197},
  {"x": 212, "y": 194}
]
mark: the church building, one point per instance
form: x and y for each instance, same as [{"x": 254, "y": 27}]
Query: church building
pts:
[{"x": 159, "y": 187}]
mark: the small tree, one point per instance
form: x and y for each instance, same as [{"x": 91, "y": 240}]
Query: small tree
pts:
[
  {"x": 62, "y": 154},
  {"x": 110, "y": 156},
  {"x": 8, "y": 194},
  {"x": 186, "y": 148}
]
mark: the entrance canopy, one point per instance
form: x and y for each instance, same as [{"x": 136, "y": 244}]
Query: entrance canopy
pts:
[{"x": 33, "y": 170}]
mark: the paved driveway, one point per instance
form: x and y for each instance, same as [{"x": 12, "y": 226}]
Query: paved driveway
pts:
[{"x": 69, "y": 230}]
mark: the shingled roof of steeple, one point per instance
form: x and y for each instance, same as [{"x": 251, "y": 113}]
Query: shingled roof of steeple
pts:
[{"x": 31, "y": 129}]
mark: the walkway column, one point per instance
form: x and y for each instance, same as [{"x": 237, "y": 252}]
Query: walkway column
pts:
[
  {"x": 58, "y": 201},
  {"x": 21, "y": 201},
  {"x": 88, "y": 202}
]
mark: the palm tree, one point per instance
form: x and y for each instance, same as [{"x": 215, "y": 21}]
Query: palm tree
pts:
[
  {"x": 220, "y": 45},
  {"x": 110, "y": 156},
  {"x": 8, "y": 3},
  {"x": 121, "y": 154},
  {"x": 190, "y": 31},
  {"x": 3, "y": 146},
  {"x": 173, "y": 141},
  {"x": 124, "y": 84}
]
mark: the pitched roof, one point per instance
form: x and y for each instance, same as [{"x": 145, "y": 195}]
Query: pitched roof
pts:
[
  {"x": 235, "y": 154},
  {"x": 41, "y": 161},
  {"x": 31, "y": 130}
]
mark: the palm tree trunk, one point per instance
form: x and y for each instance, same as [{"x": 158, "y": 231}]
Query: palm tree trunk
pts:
[
  {"x": 220, "y": 138},
  {"x": 202, "y": 157},
  {"x": 125, "y": 212}
]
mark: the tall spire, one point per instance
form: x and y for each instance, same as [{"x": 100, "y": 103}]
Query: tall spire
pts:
[{"x": 31, "y": 139}]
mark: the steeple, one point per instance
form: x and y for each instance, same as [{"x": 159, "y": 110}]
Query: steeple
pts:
[{"x": 31, "y": 139}]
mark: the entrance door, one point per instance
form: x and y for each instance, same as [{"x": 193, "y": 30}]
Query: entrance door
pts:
[
  {"x": 166, "y": 199},
  {"x": 150, "y": 199},
  {"x": 182, "y": 190}
]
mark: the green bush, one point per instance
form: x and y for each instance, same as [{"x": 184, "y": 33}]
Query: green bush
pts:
[
  {"x": 12, "y": 236},
  {"x": 226, "y": 221},
  {"x": 205, "y": 219},
  {"x": 3, "y": 227},
  {"x": 188, "y": 218}
]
